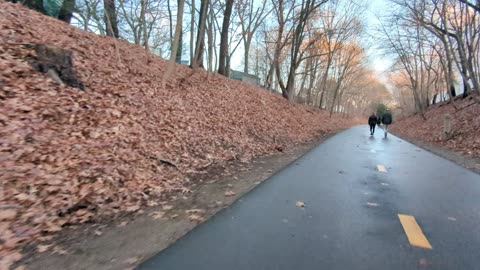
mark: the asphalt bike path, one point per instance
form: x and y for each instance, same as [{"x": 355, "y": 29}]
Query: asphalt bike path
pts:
[{"x": 354, "y": 202}]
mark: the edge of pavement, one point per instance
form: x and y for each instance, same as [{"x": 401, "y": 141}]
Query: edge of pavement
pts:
[
  {"x": 470, "y": 163},
  {"x": 127, "y": 241}
]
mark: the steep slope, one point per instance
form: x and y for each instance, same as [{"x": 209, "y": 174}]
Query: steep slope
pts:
[
  {"x": 70, "y": 156},
  {"x": 462, "y": 136}
]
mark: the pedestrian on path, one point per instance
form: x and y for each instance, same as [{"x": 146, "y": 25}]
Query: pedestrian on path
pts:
[
  {"x": 387, "y": 119},
  {"x": 372, "y": 122}
]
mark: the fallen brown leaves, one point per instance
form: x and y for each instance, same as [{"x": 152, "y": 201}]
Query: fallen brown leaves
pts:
[
  {"x": 300, "y": 204},
  {"x": 167, "y": 207},
  {"x": 7, "y": 214},
  {"x": 230, "y": 193},
  {"x": 157, "y": 215},
  {"x": 132, "y": 260},
  {"x": 69, "y": 156},
  {"x": 465, "y": 124},
  {"x": 195, "y": 211},
  {"x": 195, "y": 218},
  {"x": 122, "y": 224},
  {"x": 43, "y": 248},
  {"x": 8, "y": 258}
]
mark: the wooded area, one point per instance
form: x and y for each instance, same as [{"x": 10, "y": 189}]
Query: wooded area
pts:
[
  {"x": 309, "y": 51},
  {"x": 436, "y": 45}
]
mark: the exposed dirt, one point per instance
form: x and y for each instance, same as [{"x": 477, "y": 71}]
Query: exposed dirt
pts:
[
  {"x": 127, "y": 241},
  {"x": 57, "y": 63}
]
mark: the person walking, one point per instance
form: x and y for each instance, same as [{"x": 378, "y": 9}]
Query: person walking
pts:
[
  {"x": 372, "y": 122},
  {"x": 387, "y": 119}
]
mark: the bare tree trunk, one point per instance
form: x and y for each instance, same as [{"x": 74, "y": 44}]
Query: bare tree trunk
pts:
[
  {"x": 269, "y": 79},
  {"x": 110, "y": 17},
  {"x": 289, "y": 91},
  {"x": 209, "y": 29},
  {"x": 178, "y": 57},
  {"x": 173, "y": 54},
  {"x": 256, "y": 64},
  {"x": 302, "y": 85},
  {"x": 192, "y": 32},
  {"x": 250, "y": 20},
  {"x": 227, "y": 69},
  {"x": 323, "y": 88},
  {"x": 247, "y": 44},
  {"x": 307, "y": 8},
  {"x": 313, "y": 78},
  {"x": 224, "y": 38},
  {"x": 169, "y": 9},
  {"x": 200, "y": 44},
  {"x": 143, "y": 22},
  {"x": 335, "y": 94}
]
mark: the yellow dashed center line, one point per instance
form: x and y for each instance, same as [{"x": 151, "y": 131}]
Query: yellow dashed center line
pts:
[
  {"x": 414, "y": 232},
  {"x": 381, "y": 168}
]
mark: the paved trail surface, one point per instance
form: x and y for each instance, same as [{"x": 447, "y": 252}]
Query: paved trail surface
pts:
[{"x": 370, "y": 203}]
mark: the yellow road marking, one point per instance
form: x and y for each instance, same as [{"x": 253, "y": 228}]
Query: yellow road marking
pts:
[
  {"x": 381, "y": 168},
  {"x": 414, "y": 232}
]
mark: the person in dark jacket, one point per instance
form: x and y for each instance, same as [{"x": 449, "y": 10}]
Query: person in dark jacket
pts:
[
  {"x": 386, "y": 120},
  {"x": 387, "y": 117},
  {"x": 372, "y": 122}
]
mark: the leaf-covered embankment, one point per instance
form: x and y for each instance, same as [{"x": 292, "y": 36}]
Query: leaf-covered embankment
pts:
[
  {"x": 70, "y": 156},
  {"x": 446, "y": 126}
]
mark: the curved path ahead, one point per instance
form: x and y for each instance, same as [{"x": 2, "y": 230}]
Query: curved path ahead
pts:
[{"x": 370, "y": 203}]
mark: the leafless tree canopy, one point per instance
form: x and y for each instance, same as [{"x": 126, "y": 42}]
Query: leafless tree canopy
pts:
[
  {"x": 436, "y": 47},
  {"x": 308, "y": 51}
]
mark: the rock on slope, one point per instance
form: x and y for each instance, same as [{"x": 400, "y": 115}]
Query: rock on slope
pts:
[
  {"x": 69, "y": 156},
  {"x": 464, "y": 136}
]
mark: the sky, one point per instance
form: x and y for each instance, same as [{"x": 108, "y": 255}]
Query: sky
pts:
[{"x": 377, "y": 60}]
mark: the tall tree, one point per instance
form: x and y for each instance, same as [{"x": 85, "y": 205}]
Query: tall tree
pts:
[
  {"x": 222, "y": 61},
  {"x": 170, "y": 19},
  {"x": 110, "y": 17},
  {"x": 178, "y": 58},
  {"x": 200, "y": 44},
  {"x": 250, "y": 21},
  {"x": 192, "y": 31},
  {"x": 339, "y": 27},
  {"x": 283, "y": 13},
  {"x": 143, "y": 22},
  {"x": 308, "y": 8},
  {"x": 456, "y": 25},
  {"x": 347, "y": 62},
  {"x": 211, "y": 36},
  {"x": 176, "y": 40}
]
